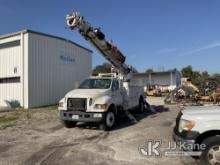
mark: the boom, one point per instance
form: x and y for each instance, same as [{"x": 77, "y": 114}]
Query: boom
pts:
[{"x": 97, "y": 39}]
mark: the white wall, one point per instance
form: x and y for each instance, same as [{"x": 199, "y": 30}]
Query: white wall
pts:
[
  {"x": 158, "y": 78},
  {"x": 10, "y": 60},
  {"x": 25, "y": 69},
  {"x": 161, "y": 78},
  {"x": 54, "y": 67}
]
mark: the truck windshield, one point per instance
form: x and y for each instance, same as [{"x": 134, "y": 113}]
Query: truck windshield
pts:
[{"x": 95, "y": 84}]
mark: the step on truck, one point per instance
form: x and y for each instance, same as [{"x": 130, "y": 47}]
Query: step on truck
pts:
[{"x": 100, "y": 99}]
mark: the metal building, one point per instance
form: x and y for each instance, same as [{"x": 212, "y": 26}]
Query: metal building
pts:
[
  {"x": 37, "y": 69},
  {"x": 165, "y": 79}
]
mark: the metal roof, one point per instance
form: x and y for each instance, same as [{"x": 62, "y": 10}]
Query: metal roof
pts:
[
  {"x": 44, "y": 34},
  {"x": 156, "y": 72}
]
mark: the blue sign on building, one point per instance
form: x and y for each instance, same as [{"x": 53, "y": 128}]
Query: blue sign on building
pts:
[{"x": 67, "y": 59}]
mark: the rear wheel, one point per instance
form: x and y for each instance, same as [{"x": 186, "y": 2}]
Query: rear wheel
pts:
[{"x": 69, "y": 124}]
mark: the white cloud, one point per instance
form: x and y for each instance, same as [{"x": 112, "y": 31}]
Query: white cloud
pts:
[{"x": 206, "y": 47}]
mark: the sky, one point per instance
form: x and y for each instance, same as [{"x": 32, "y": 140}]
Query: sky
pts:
[{"x": 158, "y": 34}]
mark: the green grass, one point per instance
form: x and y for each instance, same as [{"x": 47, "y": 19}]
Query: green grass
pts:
[
  {"x": 7, "y": 121},
  {"x": 6, "y": 125},
  {"x": 12, "y": 117}
]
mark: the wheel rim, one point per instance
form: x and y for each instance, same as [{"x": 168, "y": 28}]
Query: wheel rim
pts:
[
  {"x": 110, "y": 119},
  {"x": 214, "y": 155}
]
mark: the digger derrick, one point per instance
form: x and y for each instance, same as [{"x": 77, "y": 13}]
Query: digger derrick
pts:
[{"x": 97, "y": 39}]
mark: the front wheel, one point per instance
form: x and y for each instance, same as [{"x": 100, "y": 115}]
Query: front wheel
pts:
[
  {"x": 69, "y": 124},
  {"x": 109, "y": 121},
  {"x": 211, "y": 154}
]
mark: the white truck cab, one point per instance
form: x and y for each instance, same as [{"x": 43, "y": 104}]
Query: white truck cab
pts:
[
  {"x": 99, "y": 99},
  {"x": 200, "y": 125}
]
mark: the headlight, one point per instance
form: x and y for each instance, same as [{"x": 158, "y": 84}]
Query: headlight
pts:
[
  {"x": 101, "y": 106},
  {"x": 186, "y": 125}
]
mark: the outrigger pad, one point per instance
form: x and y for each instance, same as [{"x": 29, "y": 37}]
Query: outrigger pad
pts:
[{"x": 131, "y": 117}]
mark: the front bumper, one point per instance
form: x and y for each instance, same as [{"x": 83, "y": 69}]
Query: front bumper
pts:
[
  {"x": 188, "y": 138},
  {"x": 81, "y": 116}
]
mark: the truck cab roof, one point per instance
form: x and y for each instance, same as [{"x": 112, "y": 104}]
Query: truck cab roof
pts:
[
  {"x": 97, "y": 77},
  {"x": 104, "y": 76}
]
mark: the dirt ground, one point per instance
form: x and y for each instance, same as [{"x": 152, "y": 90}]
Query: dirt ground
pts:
[{"x": 38, "y": 137}]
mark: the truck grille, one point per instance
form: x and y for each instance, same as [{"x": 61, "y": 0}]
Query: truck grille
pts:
[{"x": 76, "y": 104}]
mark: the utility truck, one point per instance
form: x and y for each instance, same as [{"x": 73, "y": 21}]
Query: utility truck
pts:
[{"x": 101, "y": 98}]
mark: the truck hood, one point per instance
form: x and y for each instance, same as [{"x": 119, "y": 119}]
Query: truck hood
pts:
[
  {"x": 87, "y": 93},
  {"x": 202, "y": 110}
]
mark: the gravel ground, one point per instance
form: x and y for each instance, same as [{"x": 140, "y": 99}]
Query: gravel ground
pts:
[{"x": 39, "y": 138}]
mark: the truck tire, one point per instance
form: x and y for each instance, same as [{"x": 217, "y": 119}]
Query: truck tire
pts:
[
  {"x": 69, "y": 124},
  {"x": 109, "y": 121},
  {"x": 211, "y": 155},
  {"x": 141, "y": 106}
]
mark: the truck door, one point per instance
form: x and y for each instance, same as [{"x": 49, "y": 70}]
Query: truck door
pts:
[{"x": 116, "y": 93}]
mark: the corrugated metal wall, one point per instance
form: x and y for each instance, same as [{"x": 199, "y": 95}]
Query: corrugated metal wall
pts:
[
  {"x": 161, "y": 79},
  {"x": 157, "y": 78},
  {"x": 55, "y": 67},
  {"x": 10, "y": 66}
]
